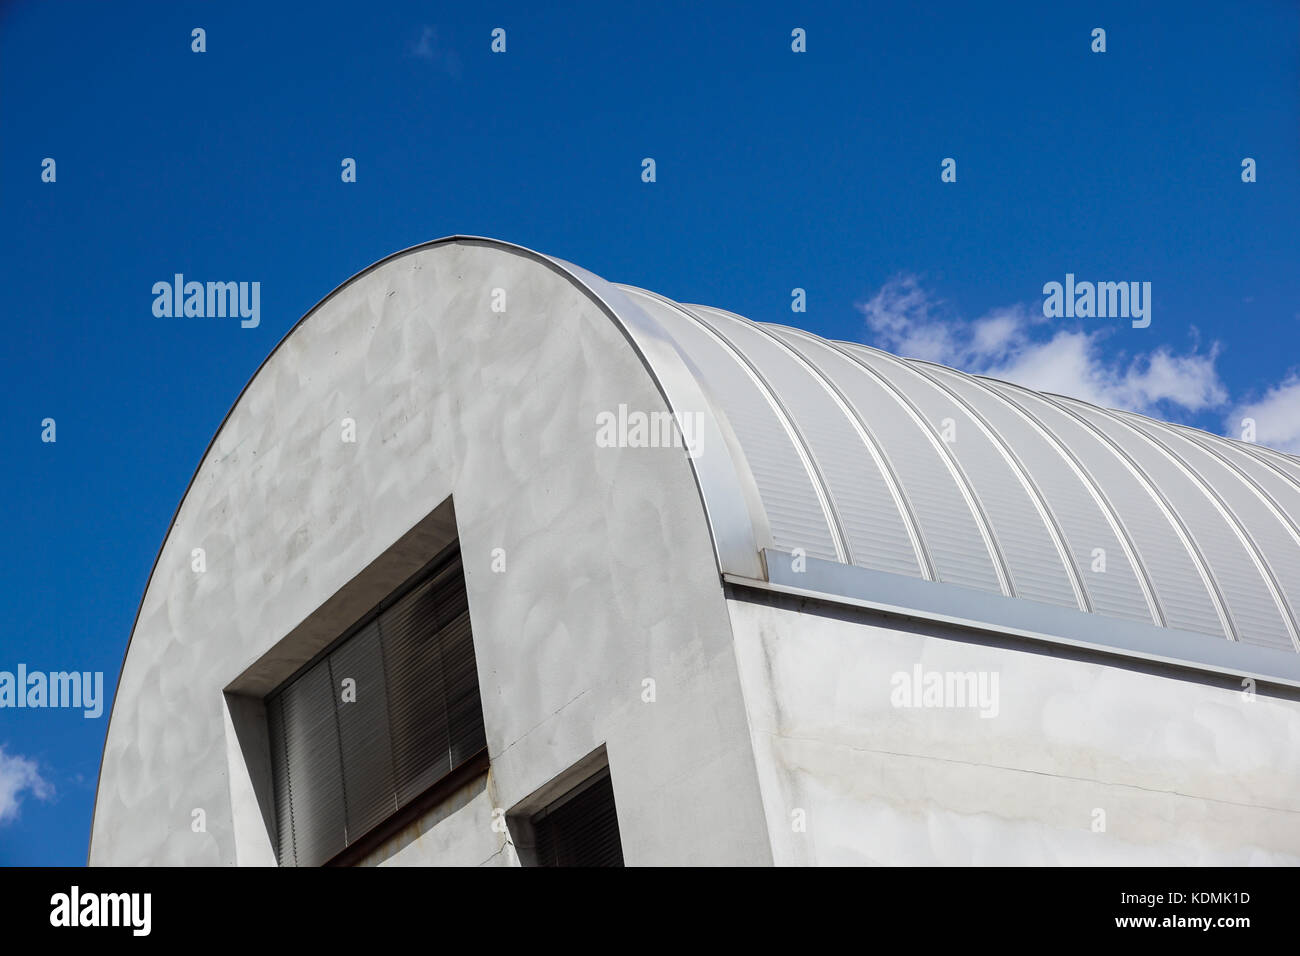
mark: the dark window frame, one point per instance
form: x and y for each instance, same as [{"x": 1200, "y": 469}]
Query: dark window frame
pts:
[
  {"x": 469, "y": 767},
  {"x": 538, "y": 821}
]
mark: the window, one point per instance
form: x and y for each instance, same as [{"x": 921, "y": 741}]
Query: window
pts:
[
  {"x": 580, "y": 828},
  {"x": 378, "y": 720}
]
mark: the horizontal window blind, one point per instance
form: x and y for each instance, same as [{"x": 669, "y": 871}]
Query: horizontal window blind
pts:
[
  {"x": 581, "y": 828},
  {"x": 385, "y": 714}
]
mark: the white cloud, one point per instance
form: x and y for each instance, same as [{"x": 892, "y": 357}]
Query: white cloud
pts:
[
  {"x": 428, "y": 48},
  {"x": 1019, "y": 345},
  {"x": 18, "y": 775},
  {"x": 1276, "y": 414}
]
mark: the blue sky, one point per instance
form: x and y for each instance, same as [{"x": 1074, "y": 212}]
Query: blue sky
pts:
[{"x": 775, "y": 170}]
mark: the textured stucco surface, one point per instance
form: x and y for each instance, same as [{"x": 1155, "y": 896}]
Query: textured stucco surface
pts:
[
  {"x": 1186, "y": 773},
  {"x": 610, "y": 574}
]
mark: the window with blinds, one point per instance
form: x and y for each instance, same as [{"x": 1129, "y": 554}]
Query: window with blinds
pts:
[
  {"x": 377, "y": 720},
  {"x": 581, "y": 828}
]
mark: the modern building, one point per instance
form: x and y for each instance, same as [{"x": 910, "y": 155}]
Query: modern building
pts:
[{"x": 496, "y": 563}]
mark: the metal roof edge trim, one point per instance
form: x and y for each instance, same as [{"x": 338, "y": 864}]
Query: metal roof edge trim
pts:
[{"x": 970, "y": 608}]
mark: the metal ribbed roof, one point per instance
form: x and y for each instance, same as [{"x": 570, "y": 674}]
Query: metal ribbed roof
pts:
[
  {"x": 842, "y": 473},
  {"x": 905, "y": 467}
]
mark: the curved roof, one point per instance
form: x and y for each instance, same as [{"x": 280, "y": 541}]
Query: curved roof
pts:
[
  {"x": 913, "y": 488},
  {"x": 828, "y": 470},
  {"x": 865, "y": 459}
]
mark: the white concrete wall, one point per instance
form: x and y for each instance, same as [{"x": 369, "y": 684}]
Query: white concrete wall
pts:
[
  {"x": 1185, "y": 773},
  {"x": 451, "y": 834},
  {"x": 610, "y": 573}
]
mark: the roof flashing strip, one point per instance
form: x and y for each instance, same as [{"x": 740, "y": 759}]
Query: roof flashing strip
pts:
[
  {"x": 1015, "y": 617},
  {"x": 737, "y": 520}
]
